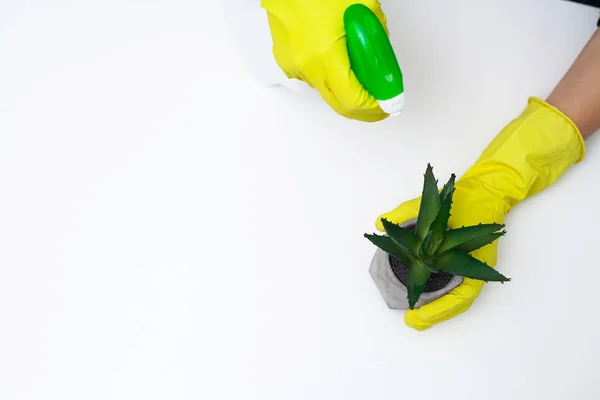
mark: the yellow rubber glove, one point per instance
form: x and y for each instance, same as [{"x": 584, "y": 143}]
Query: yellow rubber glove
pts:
[
  {"x": 309, "y": 44},
  {"x": 528, "y": 155}
]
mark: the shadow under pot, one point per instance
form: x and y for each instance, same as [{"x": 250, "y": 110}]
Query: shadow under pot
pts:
[{"x": 390, "y": 276}]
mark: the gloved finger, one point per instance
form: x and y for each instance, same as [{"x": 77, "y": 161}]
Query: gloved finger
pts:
[
  {"x": 345, "y": 86},
  {"x": 488, "y": 254},
  {"x": 452, "y": 303},
  {"x": 404, "y": 212},
  {"x": 412, "y": 320},
  {"x": 333, "y": 102}
]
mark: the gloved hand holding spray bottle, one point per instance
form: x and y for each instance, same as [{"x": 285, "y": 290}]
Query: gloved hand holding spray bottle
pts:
[{"x": 350, "y": 75}]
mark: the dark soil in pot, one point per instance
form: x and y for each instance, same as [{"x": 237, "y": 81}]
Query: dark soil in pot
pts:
[{"x": 436, "y": 282}]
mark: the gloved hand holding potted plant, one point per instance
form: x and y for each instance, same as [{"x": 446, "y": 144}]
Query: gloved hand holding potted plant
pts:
[{"x": 526, "y": 157}]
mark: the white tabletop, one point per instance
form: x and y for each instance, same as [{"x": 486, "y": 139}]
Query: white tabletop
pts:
[{"x": 156, "y": 245}]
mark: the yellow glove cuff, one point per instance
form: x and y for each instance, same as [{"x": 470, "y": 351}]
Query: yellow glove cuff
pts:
[{"x": 528, "y": 155}]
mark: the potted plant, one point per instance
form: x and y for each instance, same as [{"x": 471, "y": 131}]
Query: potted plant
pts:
[{"x": 422, "y": 260}]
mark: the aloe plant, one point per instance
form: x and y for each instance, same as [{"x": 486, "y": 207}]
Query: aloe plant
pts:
[{"x": 433, "y": 247}]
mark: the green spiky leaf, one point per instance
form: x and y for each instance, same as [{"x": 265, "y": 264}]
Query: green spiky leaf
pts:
[
  {"x": 439, "y": 226},
  {"x": 425, "y": 245},
  {"x": 386, "y": 244},
  {"x": 459, "y": 263},
  {"x": 430, "y": 203},
  {"x": 423, "y": 256},
  {"x": 430, "y": 264},
  {"x": 401, "y": 236},
  {"x": 418, "y": 275},
  {"x": 448, "y": 188},
  {"x": 481, "y": 242},
  {"x": 471, "y": 238}
]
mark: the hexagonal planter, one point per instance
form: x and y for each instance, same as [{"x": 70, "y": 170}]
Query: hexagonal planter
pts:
[{"x": 389, "y": 274}]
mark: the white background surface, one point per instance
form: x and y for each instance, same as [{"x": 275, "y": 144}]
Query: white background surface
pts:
[{"x": 155, "y": 245}]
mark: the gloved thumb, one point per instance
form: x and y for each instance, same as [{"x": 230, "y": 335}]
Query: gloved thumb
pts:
[{"x": 403, "y": 213}]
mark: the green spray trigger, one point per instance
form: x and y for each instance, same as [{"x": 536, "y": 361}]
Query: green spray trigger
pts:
[{"x": 372, "y": 58}]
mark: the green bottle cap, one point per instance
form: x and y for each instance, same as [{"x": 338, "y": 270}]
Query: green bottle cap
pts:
[{"x": 372, "y": 58}]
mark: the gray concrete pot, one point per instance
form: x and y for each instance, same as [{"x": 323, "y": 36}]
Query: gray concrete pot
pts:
[{"x": 393, "y": 291}]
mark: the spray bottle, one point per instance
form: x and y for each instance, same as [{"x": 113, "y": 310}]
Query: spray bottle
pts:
[{"x": 372, "y": 58}]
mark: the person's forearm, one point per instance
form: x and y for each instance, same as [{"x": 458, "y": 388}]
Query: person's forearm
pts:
[{"x": 578, "y": 93}]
